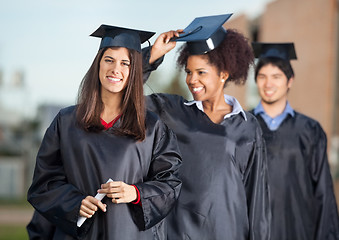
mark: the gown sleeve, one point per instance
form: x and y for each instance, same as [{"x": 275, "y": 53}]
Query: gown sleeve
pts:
[
  {"x": 257, "y": 191},
  {"x": 39, "y": 228},
  {"x": 50, "y": 193},
  {"x": 146, "y": 67},
  {"x": 327, "y": 221},
  {"x": 162, "y": 184}
]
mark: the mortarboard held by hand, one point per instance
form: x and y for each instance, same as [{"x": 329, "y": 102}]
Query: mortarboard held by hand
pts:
[{"x": 204, "y": 34}]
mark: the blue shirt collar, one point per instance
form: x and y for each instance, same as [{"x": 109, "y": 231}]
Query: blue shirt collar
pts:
[
  {"x": 229, "y": 100},
  {"x": 288, "y": 109},
  {"x": 274, "y": 123}
]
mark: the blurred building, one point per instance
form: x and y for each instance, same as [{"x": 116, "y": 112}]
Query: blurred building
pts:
[
  {"x": 313, "y": 25},
  {"x": 12, "y": 177},
  {"x": 13, "y": 140},
  {"x": 20, "y": 135},
  {"x": 19, "y": 143}
]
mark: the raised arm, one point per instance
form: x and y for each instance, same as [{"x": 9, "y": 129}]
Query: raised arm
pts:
[
  {"x": 153, "y": 56},
  {"x": 163, "y": 45}
]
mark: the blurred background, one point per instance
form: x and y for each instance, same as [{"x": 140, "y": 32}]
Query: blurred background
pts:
[{"x": 45, "y": 50}]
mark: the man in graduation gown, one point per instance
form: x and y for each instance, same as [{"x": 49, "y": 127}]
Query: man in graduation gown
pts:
[{"x": 302, "y": 198}]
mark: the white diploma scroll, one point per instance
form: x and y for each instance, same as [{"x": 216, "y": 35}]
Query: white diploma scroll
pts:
[{"x": 99, "y": 196}]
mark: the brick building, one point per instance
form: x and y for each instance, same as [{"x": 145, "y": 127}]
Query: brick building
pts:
[{"x": 313, "y": 25}]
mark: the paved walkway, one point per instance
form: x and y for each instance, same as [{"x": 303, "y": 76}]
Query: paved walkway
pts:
[{"x": 13, "y": 216}]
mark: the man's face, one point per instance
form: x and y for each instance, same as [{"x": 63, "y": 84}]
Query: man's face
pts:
[{"x": 272, "y": 84}]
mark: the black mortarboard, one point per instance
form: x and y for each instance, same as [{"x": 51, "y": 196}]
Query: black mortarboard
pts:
[
  {"x": 284, "y": 51},
  {"x": 112, "y": 36},
  {"x": 204, "y": 33}
]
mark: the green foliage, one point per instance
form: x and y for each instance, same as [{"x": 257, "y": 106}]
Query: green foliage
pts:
[
  {"x": 15, "y": 203},
  {"x": 9, "y": 151}
]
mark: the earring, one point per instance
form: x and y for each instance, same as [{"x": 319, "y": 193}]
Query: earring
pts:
[{"x": 222, "y": 80}]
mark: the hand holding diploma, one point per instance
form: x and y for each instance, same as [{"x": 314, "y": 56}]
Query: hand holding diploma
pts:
[
  {"x": 89, "y": 206},
  {"x": 120, "y": 192}
]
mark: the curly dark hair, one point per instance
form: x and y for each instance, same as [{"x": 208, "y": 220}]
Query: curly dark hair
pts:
[{"x": 234, "y": 55}]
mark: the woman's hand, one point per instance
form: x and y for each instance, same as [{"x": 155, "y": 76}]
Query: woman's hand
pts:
[
  {"x": 89, "y": 206},
  {"x": 120, "y": 192},
  {"x": 163, "y": 45}
]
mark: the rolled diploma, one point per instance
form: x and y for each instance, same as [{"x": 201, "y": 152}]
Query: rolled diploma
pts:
[{"x": 99, "y": 196}]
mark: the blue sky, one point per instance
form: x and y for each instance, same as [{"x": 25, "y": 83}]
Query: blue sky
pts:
[{"x": 49, "y": 40}]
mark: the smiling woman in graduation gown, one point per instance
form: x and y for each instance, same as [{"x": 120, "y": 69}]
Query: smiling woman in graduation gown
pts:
[
  {"x": 224, "y": 194},
  {"x": 73, "y": 163}
]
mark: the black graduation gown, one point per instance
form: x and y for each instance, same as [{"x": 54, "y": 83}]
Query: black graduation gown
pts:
[
  {"x": 224, "y": 174},
  {"x": 39, "y": 228},
  {"x": 302, "y": 197},
  {"x": 72, "y": 163}
]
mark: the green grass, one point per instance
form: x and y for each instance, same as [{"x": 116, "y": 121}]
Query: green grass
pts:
[{"x": 13, "y": 232}]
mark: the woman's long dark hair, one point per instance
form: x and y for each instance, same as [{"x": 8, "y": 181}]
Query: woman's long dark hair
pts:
[{"x": 90, "y": 105}]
